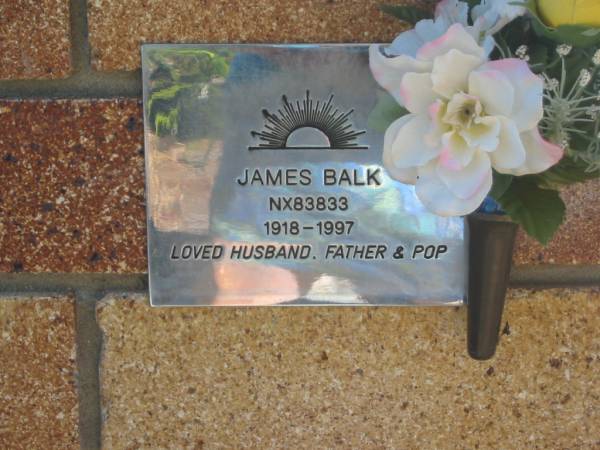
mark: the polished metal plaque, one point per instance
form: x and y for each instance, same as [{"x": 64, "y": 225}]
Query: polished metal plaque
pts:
[{"x": 265, "y": 184}]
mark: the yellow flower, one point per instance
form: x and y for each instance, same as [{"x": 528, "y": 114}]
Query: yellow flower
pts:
[{"x": 570, "y": 12}]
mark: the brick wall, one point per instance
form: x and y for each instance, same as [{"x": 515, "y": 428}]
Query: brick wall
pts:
[{"x": 85, "y": 362}]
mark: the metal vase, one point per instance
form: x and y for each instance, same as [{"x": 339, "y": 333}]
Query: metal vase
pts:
[{"x": 491, "y": 242}]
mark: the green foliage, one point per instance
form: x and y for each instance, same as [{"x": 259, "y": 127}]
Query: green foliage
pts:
[
  {"x": 565, "y": 118},
  {"x": 538, "y": 57},
  {"x": 533, "y": 201},
  {"x": 198, "y": 65},
  {"x": 162, "y": 76},
  {"x": 575, "y": 35},
  {"x": 539, "y": 211},
  {"x": 164, "y": 101},
  {"x": 179, "y": 82},
  {"x": 501, "y": 184},
  {"x": 410, "y": 14},
  {"x": 577, "y": 60},
  {"x": 386, "y": 111},
  {"x": 167, "y": 94},
  {"x": 166, "y": 124},
  {"x": 567, "y": 171}
]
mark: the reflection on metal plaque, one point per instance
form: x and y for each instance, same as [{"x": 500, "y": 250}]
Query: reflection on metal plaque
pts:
[{"x": 265, "y": 184}]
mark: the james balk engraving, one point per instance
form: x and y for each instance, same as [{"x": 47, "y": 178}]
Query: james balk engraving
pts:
[{"x": 301, "y": 211}]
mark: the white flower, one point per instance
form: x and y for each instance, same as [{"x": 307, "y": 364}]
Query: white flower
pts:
[
  {"x": 447, "y": 13},
  {"x": 521, "y": 52},
  {"x": 493, "y": 15},
  {"x": 467, "y": 116},
  {"x": 564, "y": 49},
  {"x": 415, "y": 51},
  {"x": 585, "y": 77},
  {"x": 453, "y": 11}
]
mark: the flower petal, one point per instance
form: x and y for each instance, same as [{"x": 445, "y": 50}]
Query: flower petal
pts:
[
  {"x": 436, "y": 196},
  {"x": 540, "y": 154},
  {"x": 429, "y": 30},
  {"x": 496, "y": 14},
  {"x": 412, "y": 144},
  {"x": 466, "y": 182},
  {"x": 406, "y": 43},
  {"x": 437, "y": 111},
  {"x": 455, "y": 38},
  {"x": 416, "y": 91},
  {"x": 450, "y": 73},
  {"x": 528, "y": 88},
  {"x": 494, "y": 91},
  {"x": 409, "y": 42},
  {"x": 404, "y": 175},
  {"x": 510, "y": 152},
  {"x": 453, "y": 11},
  {"x": 488, "y": 44},
  {"x": 389, "y": 71},
  {"x": 483, "y": 133},
  {"x": 456, "y": 154}
]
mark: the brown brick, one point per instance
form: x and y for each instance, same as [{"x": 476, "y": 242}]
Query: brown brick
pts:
[
  {"x": 38, "y": 393},
  {"x": 117, "y": 29},
  {"x": 83, "y": 210},
  {"x": 72, "y": 186},
  {"x": 350, "y": 377},
  {"x": 34, "y": 39},
  {"x": 577, "y": 241}
]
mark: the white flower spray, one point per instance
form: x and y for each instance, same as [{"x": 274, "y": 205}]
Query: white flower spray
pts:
[{"x": 567, "y": 111}]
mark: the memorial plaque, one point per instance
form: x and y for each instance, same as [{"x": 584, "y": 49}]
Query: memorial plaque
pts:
[{"x": 265, "y": 184}]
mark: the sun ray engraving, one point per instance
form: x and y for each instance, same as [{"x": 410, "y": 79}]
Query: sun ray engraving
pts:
[{"x": 293, "y": 121}]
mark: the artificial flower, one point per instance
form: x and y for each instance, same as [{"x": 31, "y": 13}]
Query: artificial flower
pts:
[
  {"x": 412, "y": 51},
  {"x": 493, "y": 15},
  {"x": 569, "y": 12},
  {"x": 447, "y": 13},
  {"x": 467, "y": 116}
]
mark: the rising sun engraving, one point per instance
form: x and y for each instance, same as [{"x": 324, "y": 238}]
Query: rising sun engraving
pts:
[{"x": 307, "y": 125}]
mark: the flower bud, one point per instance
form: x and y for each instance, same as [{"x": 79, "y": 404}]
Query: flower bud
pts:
[{"x": 569, "y": 12}]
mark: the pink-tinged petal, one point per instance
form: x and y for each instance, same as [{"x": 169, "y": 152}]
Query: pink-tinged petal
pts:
[
  {"x": 494, "y": 91},
  {"x": 540, "y": 154},
  {"x": 451, "y": 71},
  {"x": 404, "y": 175},
  {"x": 416, "y": 92},
  {"x": 510, "y": 152},
  {"x": 436, "y": 112},
  {"x": 409, "y": 146},
  {"x": 456, "y": 154},
  {"x": 527, "y": 109},
  {"x": 455, "y": 38},
  {"x": 388, "y": 72},
  {"x": 467, "y": 181},
  {"x": 436, "y": 196}
]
